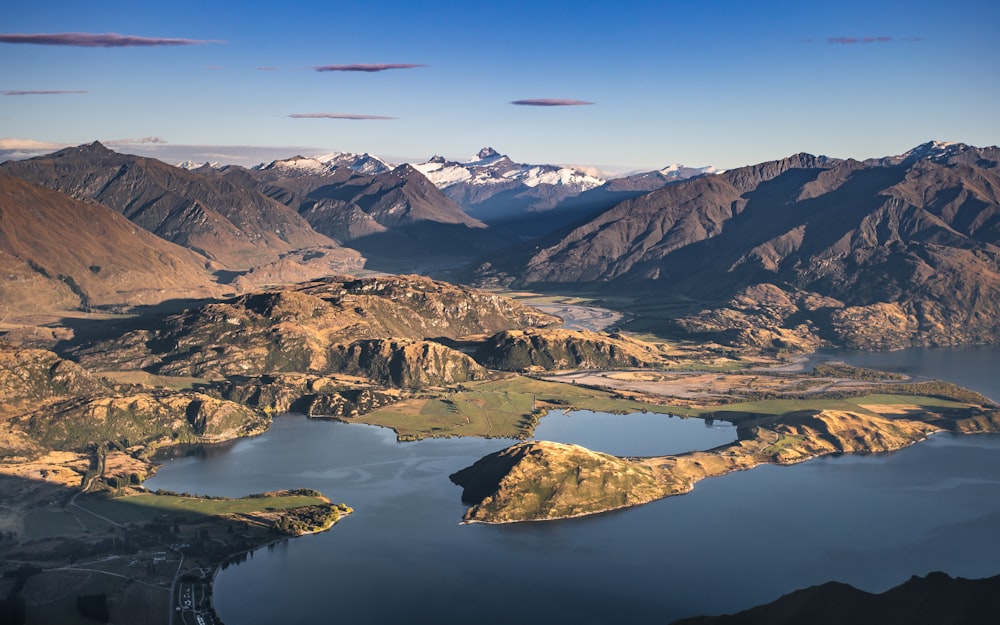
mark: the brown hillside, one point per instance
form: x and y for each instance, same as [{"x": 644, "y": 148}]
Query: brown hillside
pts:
[
  {"x": 234, "y": 226},
  {"x": 64, "y": 253},
  {"x": 322, "y": 327}
]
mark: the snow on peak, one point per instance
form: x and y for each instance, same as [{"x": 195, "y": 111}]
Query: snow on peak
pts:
[
  {"x": 682, "y": 172},
  {"x": 361, "y": 163},
  {"x": 297, "y": 163},
  {"x": 490, "y": 168},
  {"x": 326, "y": 163},
  {"x": 191, "y": 165},
  {"x": 935, "y": 150}
]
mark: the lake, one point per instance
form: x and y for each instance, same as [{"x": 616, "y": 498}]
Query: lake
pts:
[
  {"x": 736, "y": 541},
  {"x": 638, "y": 434}
]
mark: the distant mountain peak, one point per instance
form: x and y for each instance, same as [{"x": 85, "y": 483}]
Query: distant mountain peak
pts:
[
  {"x": 438, "y": 159},
  {"x": 933, "y": 150},
  {"x": 297, "y": 162},
  {"x": 194, "y": 165},
  {"x": 486, "y": 153},
  {"x": 87, "y": 149}
]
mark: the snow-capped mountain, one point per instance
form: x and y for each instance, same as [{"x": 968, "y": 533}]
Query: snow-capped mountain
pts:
[
  {"x": 489, "y": 174},
  {"x": 361, "y": 163},
  {"x": 653, "y": 180},
  {"x": 327, "y": 163},
  {"x": 191, "y": 165},
  {"x": 936, "y": 151}
]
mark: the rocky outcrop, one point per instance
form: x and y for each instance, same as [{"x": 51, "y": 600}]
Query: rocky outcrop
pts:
[
  {"x": 143, "y": 419},
  {"x": 35, "y": 375},
  {"x": 316, "y": 396},
  {"x": 549, "y": 349},
  {"x": 765, "y": 317},
  {"x": 405, "y": 363}
]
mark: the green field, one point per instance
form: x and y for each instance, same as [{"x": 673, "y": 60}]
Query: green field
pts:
[
  {"x": 503, "y": 408},
  {"x": 499, "y": 409},
  {"x": 152, "y": 507},
  {"x": 774, "y": 407},
  {"x": 151, "y": 379},
  {"x": 52, "y": 520}
]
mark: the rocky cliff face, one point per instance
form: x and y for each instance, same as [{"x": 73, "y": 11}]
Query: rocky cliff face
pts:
[{"x": 405, "y": 363}]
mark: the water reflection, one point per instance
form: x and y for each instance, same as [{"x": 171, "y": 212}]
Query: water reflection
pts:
[{"x": 636, "y": 434}]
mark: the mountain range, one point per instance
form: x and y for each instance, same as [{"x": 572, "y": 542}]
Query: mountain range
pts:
[
  {"x": 787, "y": 254},
  {"x": 495, "y": 188},
  {"x": 882, "y": 253}
]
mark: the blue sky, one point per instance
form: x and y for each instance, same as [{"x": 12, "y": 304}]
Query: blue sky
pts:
[{"x": 725, "y": 83}]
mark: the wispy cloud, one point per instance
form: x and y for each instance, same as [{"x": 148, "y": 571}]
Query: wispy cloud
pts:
[
  {"x": 550, "y": 102},
  {"x": 267, "y": 68},
  {"x": 355, "y": 116},
  {"x": 847, "y": 41},
  {"x": 139, "y": 141},
  {"x": 97, "y": 40},
  {"x": 10, "y": 143},
  {"x": 215, "y": 67},
  {"x": 42, "y": 92},
  {"x": 366, "y": 67}
]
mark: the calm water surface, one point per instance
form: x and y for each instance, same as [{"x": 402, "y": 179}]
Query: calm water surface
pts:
[
  {"x": 638, "y": 434},
  {"x": 736, "y": 541}
]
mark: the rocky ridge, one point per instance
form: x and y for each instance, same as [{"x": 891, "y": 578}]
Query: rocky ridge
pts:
[
  {"x": 377, "y": 327},
  {"x": 878, "y": 254}
]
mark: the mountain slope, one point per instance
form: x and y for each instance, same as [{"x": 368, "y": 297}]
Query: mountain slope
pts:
[
  {"x": 68, "y": 253},
  {"x": 906, "y": 247},
  {"x": 234, "y": 226}
]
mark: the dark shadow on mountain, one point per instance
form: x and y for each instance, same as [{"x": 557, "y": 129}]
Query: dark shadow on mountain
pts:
[
  {"x": 707, "y": 269},
  {"x": 426, "y": 248},
  {"x": 90, "y": 329},
  {"x": 936, "y": 599}
]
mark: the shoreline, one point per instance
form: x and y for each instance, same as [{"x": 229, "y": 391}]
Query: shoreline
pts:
[
  {"x": 219, "y": 566},
  {"x": 801, "y": 438}
]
